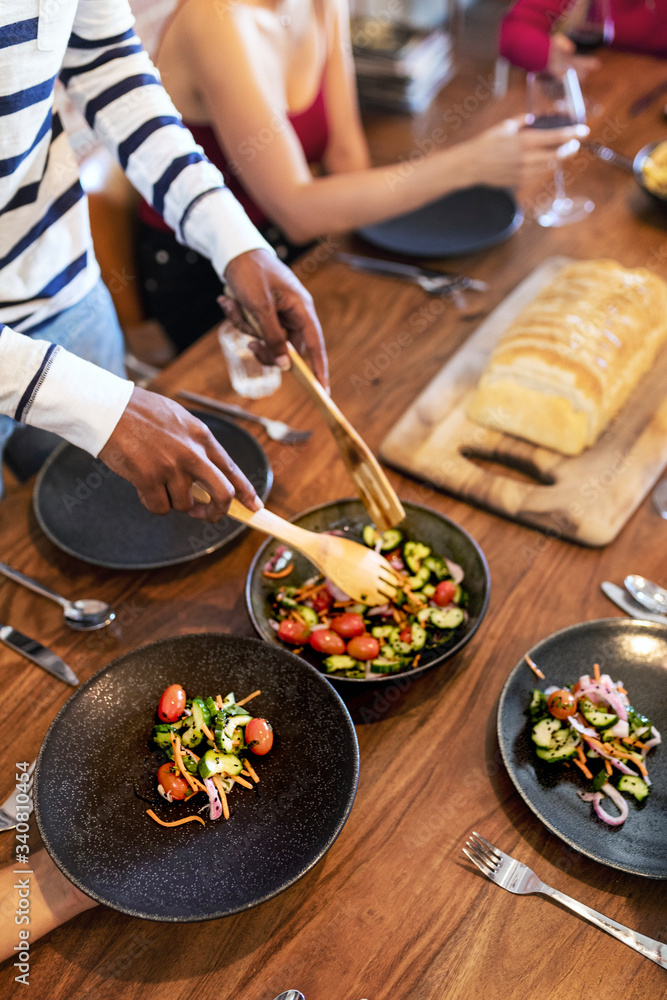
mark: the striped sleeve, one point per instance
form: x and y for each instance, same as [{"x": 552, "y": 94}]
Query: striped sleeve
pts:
[
  {"x": 44, "y": 385},
  {"x": 112, "y": 81}
]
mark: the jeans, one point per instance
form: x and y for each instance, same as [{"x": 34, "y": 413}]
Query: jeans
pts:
[{"x": 89, "y": 329}]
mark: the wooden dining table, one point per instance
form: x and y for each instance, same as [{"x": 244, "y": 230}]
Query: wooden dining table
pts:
[{"x": 393, "y": 911}]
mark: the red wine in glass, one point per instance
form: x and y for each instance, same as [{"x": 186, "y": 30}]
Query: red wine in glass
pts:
[
  {"x": 591, "y": 26},
  {"x": 555, "y": 101}
]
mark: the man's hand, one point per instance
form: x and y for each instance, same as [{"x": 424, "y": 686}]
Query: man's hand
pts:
[
  {"x": 162, "y": 449},
  {"x": 276, "y": 299}
]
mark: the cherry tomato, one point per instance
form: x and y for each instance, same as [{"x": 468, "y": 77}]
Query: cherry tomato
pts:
[
  {"x": 259, "y": 736},
  {"x": 444, "y": 593},
  {"x": 172, "y": 781},
  {"x": 323, "y": 640},
  {"x": 295, "y": 632},
  {"x": 363, "y": 647},
  {"x": 348, "y": 625},
  {"x": 405, "y": 635},
  {"x": 322, "y": 601},
  {"x": 171, "y": 704},
  {"x": 562, "y": 704}
]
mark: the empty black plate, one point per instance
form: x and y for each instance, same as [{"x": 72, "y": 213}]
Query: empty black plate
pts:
[
  {"x": 463, "y": 222},
  {"x": 631, "y": 651},
  {"x": 96, "y": 829},
  {"x": 95, "y": 515}
]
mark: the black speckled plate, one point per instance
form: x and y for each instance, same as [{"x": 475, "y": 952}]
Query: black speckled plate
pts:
[
  {"x": 636, "y": 653},
  {"x": 422, "y": 524},
  {"x": 95, "y": 515},
  {"x": 463, "y": 222},
  {"x": 96, "y": 829}
]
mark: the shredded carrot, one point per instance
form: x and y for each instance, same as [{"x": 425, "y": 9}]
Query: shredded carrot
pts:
[
  {"x": 207, "y": 732},
  {"x": 280, "y": 574},
  {"x": 608, "y": 767},
  {"x": 242, "y": 781},
  {"x": 175, "y": 822},
  {"x": 178, "y": 760},
  {"x": 217, "y": 781},
  {"x": 596, "y": 671},
  {"x": 642, "y": 767},
  {"x": 250, "y": 696},
  {"x": 582, "y": 767},
  {"x": 416, "y": 660},
  {"x": 218, "y": 701},
  {"x": 534, "y": 667},
  {"x": 621, "y": 690},
  {"x": 343, "y": 604},
  {"x": 251, "y": 771}
]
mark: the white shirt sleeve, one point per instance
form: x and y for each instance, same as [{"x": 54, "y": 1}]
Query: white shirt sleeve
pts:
[{"x": 45, "y": 386}]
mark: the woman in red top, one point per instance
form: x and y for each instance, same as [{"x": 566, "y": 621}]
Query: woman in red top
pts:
[
  {"x": 268, "y": 87},
  {"x": 530, "y": 35}
]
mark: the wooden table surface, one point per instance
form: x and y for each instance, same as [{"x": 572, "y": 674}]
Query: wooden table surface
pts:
[{"x": 394, "y": 910}]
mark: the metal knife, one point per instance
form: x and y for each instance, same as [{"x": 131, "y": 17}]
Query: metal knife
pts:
[
  {"x": 619, "y": 597},
  {"x": 39, "y": 654},
  {"x": 434, "y": 282}
]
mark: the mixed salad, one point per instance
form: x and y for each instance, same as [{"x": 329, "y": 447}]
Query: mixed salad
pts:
[
  {"x": 207, "y": 743},
  {"x": 593, "y": 726},
  {"x": 356, "y": 640}
]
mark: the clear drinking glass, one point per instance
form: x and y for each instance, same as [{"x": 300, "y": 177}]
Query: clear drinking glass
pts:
[
  {"x": 553, "y": 101},
  {"x": 249, "y": 377}
]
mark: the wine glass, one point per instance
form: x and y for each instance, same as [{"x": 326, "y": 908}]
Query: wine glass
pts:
[
  {"x": 554, "y": 100},
  {"x": 590, "y": 25}
]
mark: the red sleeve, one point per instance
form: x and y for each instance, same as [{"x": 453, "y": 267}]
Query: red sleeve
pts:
[{"x": 526, "y": 29}]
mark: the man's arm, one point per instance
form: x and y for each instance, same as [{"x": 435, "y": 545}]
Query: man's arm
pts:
[
  {"x": 112, "y": 81},
  {"x": 148, "y": 439}
]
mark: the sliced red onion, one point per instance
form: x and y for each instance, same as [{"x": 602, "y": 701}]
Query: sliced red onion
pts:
[
  {"x": 318, "y": 627},
  {"x": 272, "y": 623},
  {"x": 455, "y": 571},
  {"x": 280, "y": 559},
  {"x": 397, "y": 563},
  {"x": 215, "y": 809},
  {"x": 653, "y": 742},
  {"x": 597, "y": 693},
  {"x": 380, "y": 609},
  {"x": 581, "y": 728},
  {"x": 336, "y": 592},
  {"x": 618, "y": 801},
  {"x": 620, "y": 729},
  {"x": 551, "y": 689}
]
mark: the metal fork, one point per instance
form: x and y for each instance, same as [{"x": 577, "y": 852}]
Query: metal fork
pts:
[
  {"x": 276, "y": 429},
  {"x": 518, "y": 878},
  {"x": 9, "y": 807}
]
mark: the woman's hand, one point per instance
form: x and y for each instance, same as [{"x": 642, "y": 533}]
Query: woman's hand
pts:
[
  {"x": 511, "y": 154},
  {"x": 563, "y": 55}
]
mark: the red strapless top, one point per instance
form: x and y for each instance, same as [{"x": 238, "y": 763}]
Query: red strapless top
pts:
[{"x": 311, "y": 127}]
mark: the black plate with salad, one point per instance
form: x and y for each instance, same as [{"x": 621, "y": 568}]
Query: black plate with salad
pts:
[
  {"x": 610, "y": 818},
  {"x": 98, "y": 765},
  {"x": 443, "y": 602}
]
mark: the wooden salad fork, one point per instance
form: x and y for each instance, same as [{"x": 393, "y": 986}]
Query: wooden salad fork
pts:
[
  {"x": 361, "y": 573},
  {"x": 374, "y": 489}
]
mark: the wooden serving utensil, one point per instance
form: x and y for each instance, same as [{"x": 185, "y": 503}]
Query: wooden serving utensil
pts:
[
  {"x": 373, "y": 487},
  {"x": 361, "y": 573}
]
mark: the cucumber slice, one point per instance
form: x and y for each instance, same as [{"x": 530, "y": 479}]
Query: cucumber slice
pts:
[
  {"x": 428, "y": 590},
  {"x": 593, "y": 715},
  {"x": 389, "y": 540},
  {"x": 200, "y": 712},
  {"x": 341, "y": 661},
  {"x": 421, "y": 577},
  {"x": 538, "y": 704},
  {"x": 635, "y": 786},
  {"x": 438, "y": 566},
  {"x": 308, "y": 614},
  {"x": 542, "y": 733},
  {"x": 192, "y": 737},
  {"x": 446, "y": 617},
  {"x": 381, "y": 631},
  {"x": 414, "y": 554},
  {"x": 397, "y": 644},
  {"x": 557, "y": 754},
  {"x": 215, "y": 762}
]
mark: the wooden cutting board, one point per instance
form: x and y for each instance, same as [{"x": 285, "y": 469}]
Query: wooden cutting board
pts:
[{"x": 586, "y": 499}]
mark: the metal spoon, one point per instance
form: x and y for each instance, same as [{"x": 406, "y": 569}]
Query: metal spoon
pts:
[
  {"x": 290, "y": 995},
  {"x": 82, "y": 615},
  {"x": 649, "y": 594}
]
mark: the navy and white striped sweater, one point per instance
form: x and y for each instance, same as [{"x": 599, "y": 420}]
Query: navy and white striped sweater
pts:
[{"x": 46, "y": 258}]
